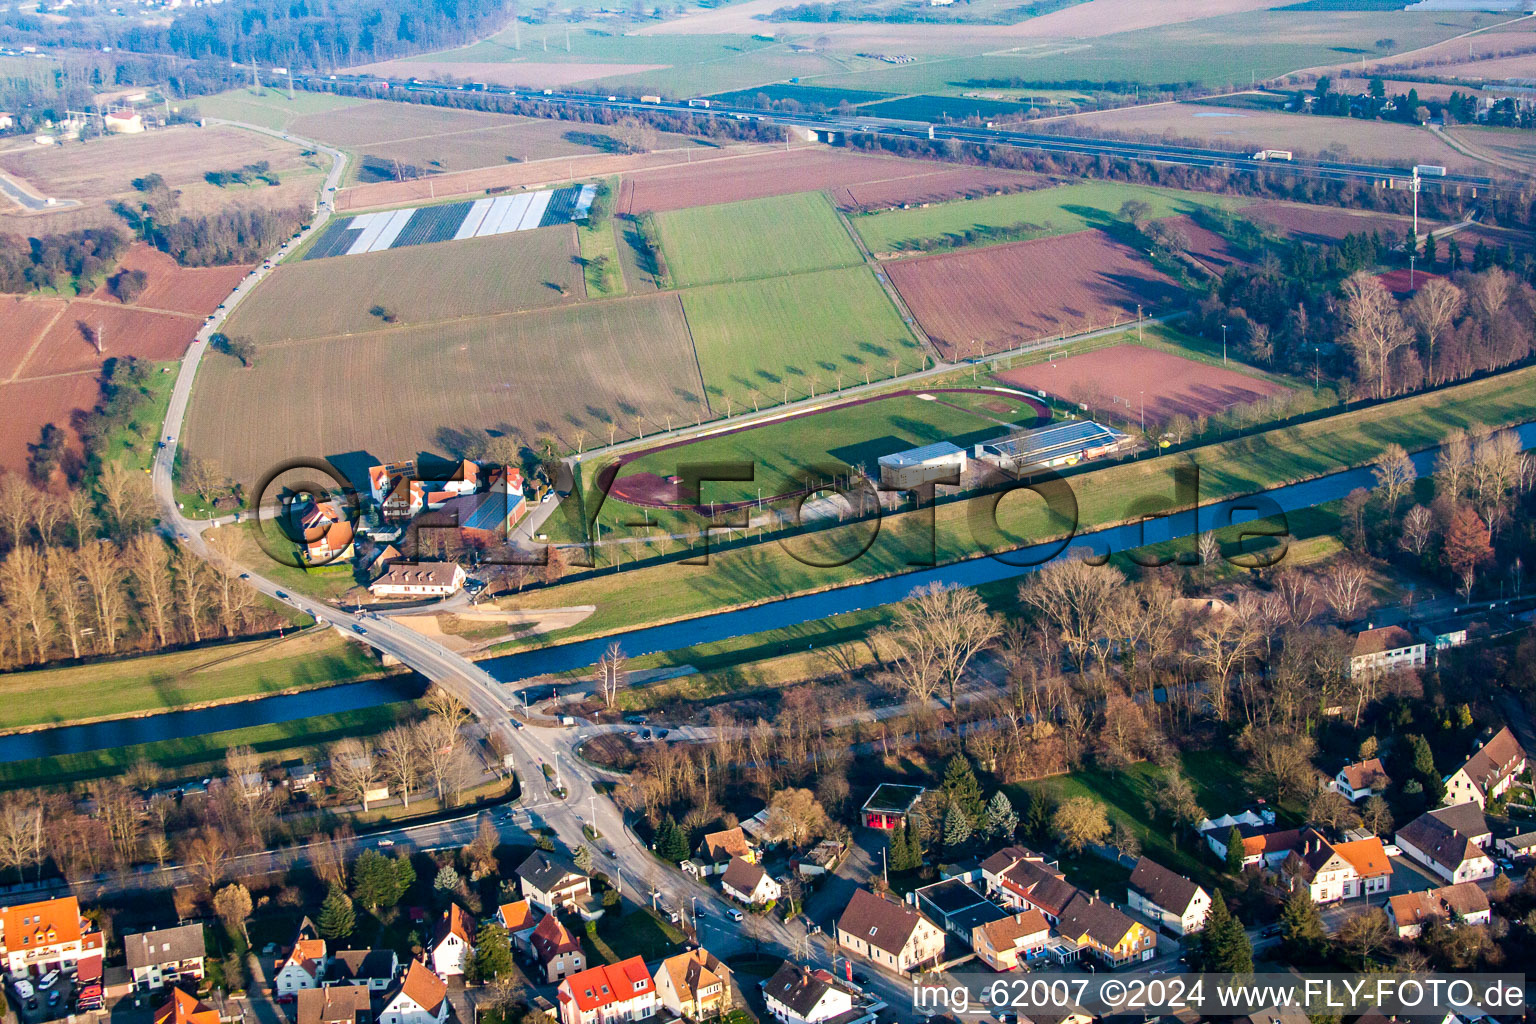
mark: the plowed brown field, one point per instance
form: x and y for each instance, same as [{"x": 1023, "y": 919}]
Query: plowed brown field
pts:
[
  {"x": 1319, "y": 224},
  {"x": 29, "y": 404},
  {"x": 67, "y": 347},
  {"x": 25, "y": 320},
  {"x": 1000, "y": 297},
  {"x": 1119, "y": 378},
  {"x": 196, "y": 291}
]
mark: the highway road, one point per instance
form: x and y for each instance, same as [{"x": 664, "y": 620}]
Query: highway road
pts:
[{"x": 1160, "y": 152}]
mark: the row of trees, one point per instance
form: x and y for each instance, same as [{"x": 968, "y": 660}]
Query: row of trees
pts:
[{"x": 54, "y": 262}]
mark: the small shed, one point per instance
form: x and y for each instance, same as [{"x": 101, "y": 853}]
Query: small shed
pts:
[
  {"x": 940, "y": 462},
  {"x": 888, "y": 806}
]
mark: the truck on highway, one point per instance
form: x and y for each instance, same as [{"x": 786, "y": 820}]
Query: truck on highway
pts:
[
  {"x": 650, "y": 99},
  {"x": 699, "y": 103},
  {"x": 1273, "y": 154},
  {"x": 1429, "y": 170}
]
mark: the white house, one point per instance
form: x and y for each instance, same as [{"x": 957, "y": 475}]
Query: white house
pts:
[
  {"x": 1490, "y": 771},
  {"x": 1359, "y": 780},
  {"x": 453, "y": 942},
  {"x": 1168, "y": 898},
  {"x": 1520, "y": 847},
  {"x": 1461, "y": 903},
  {"x": 798, "y": 995},
  {"x": 38, "y": 937},
  {"x": 748, "y": 882},
  {"x": 609, "y": 994},
  {"x": 1444, "y": 850},
  {"x": 1386, "y": 649},
  {"x": 420, "y": 998},
  {"x": 550, "y": 883},
  {"x": 694, "y": 985},
  {"x": 1338, "y": 871},
  {"x": 304, "y": 966},
  {"x": 165, "y": 957},
  {"x": 418, "y": 579},
  {"x": 891, "y": 934}
]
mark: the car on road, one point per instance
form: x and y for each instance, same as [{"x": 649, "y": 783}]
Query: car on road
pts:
[
  {"x": 357, "y": 627},
  {"x": 860, "y": 978},
  {"x": 386, "y": 842},
  {"x": 515, "y": 723},
  {"x": 733, "y": 914},
  {"x": 661, "y": 734},
  {"x": 645, "y": 734},
  {"x": 245, "y": 575},
  {"x": 280, "y": 595}
]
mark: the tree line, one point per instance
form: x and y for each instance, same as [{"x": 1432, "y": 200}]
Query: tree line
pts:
[{"x": 57, "y": 262}]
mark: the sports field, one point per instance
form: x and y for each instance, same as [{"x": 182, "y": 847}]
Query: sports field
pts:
[
  {"x": 854, "y": 434},
  {"x": 396, "y": 392},
  {"x": 417, "y": 284},
  {"x": 796, "y": 335},
  {"x": 1127, "y": 380},
  {"x": 988, "y": 300},
  {"x": 755, "y": 239},
  {"x": 1053, "y": 211}
]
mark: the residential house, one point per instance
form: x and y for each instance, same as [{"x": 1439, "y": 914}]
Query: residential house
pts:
[
  {"x": 749, "y": 882},
  {"x": 1468, "y": 819},
  {"x": 891, "y": 934},
  {"x": 519, "y": 919},
  {"x": 954, "y": 906},
  {"x": 371, "y": 969},
  {"x": 799, "y": 995},
  {"x": 1359, "y": 780},
  {"x": 694, "y": 985},
  {"x": 1029, "y": 884},
  {"x": 165, "y": 957},
  {"x": 1114, "y": 938},
  {"x": 406, "y": 498},
  {"x": 420, "y": 997},
  {"x": 418, "y": 579},
  {"x": 608, "y": 994},
  {"x": 1338, "y": 871},
  {"x": 185, "y": 1008},
  {"x": 1007, "y": 944},
  {"x": 382, "y": 480},
  {"x": 1445, "y": 851},
  {"x": 821, "y": 859},
  {"x": 556, "y": 949},
  {"x": 1461, "y": 903},
  {"x": 334, "y": 1004},
  {"x": 1385, "y": 649},
  {"x": 304, "y": 966},
  {"x": 1264, "y": 846},
  {"x": 888, "y": 806},
  {"x": 550, "y": 882},
  {"x": 718, "y": 849},
  {"x": 44, "y": 936},
  {"x": 1168, "y": 898},
  {"x": 327, "y": 533},
  {"x": 1519, "y": 847},
  {"x": 1490, "y": 770},
  {"x": 453, "y": 941}
]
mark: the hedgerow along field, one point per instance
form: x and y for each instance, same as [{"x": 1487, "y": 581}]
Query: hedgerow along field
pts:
[
  {"x": 413, "y": 285},
  {"x": 1052, "y": 211},
  {"x": 760, "y": 342},
  {"x": 572, "y": 372},
  {"x": 848, "y": 435},
  {"x": 755, "y": 239}
]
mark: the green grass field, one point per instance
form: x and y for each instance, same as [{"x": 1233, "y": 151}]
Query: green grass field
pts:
[
  {"x": 1106, "y": 496},
  {"x": 1052, "y": 211},
  {"x": 159, "y": 682},
  {"x": 851, "y": 435},
  {"x": 795, "y": 335},
  {"x": 270, "y": 108},
  {"x": 600, "y": 259},
  {"x": 754, "y": 239}
]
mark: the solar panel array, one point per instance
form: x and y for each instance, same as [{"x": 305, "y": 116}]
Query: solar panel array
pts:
[
  {"x": 1054, "y": 441},
  {"x": 421, "y": 225}
]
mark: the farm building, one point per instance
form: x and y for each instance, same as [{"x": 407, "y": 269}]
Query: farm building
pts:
[
  {"x": 1061, "y": 444},
  {"x": 888, "y": 805},
  {"x": 941, "y": 462}
]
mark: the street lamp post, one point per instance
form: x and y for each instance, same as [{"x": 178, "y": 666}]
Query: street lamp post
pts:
[{"x": 1223, "y": 344}]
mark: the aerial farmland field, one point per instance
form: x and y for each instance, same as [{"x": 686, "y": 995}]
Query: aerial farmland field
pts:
[
  {"x": 992, "y": 299},
  {"x": 1053, "y": 211},
  {"x": 417, "y": 284},
  {"x": 755, "y": 239},
  {"x": 797, "y": 336},
  {"x": 196, "y": 291},
  {"x": 570, "y": 372}
]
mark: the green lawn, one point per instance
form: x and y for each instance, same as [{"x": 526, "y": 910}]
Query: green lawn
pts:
[
  {"x": 270, "y": 108},
  {"x": 156, "y": 682},
  {"x": 133, "y": 444},
  {"x": 302, "y": 737},
  {"x": 792, "y": 336},
  {"x": 605, "y": 277},
  {"x": 1050, "y": 211},
  {"x": 755, "y": 239},
  {"x": 783, "y": 451},
  {"x": 1243, "y": 466},
  {"x": 638, "y": 933}
]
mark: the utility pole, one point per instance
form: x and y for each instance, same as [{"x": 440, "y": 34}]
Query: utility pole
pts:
[
  {"x": 101, "y": 338},
  {"x": 1415, "y": 209},
  {"x": 1223, "y": 344}
]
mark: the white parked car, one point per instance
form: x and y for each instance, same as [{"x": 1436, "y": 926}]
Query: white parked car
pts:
[
  {"x": 48, "y": 980},
  {"x": 23, "y": 989},
  {"x": 1393, "y": 850}
]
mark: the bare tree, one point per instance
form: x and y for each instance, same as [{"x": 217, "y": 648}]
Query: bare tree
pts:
[
  {"x": 192, "y": 583},
  {"x": 119, "y": 811},
  {"x": 1346, "y": 584},
  {"x": 611, "y": 674},
  {"x": 1376, "y": 329},
  {"x": 149, "y": 563},
  {"x": 21, "y": 830},
  {"x": 17, "y": 500},
  {"x": 233, "y": 905},
  {"x": 355, "y": 769},
  {"x": 125, "y": 493},
  {"x": 401, "y": 760},
  {"x": 1418, "y": 530},
  {"x": 101, "y": 568},
  {"x": 1434, "y": 308},
  {"x": 1394, "y": 474},
  {"x": 1073, "y": 598},
  {"x": 1294, "y": 587},
  {"x": 1453, "y": 466},
  {"x": 62, "y": 579},
  {"x": 207, "y": 857},
  {"x": 26, "y": 601},
  {"x": 449, "y": 709},
  {"x": 1224, "y": 642}
]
